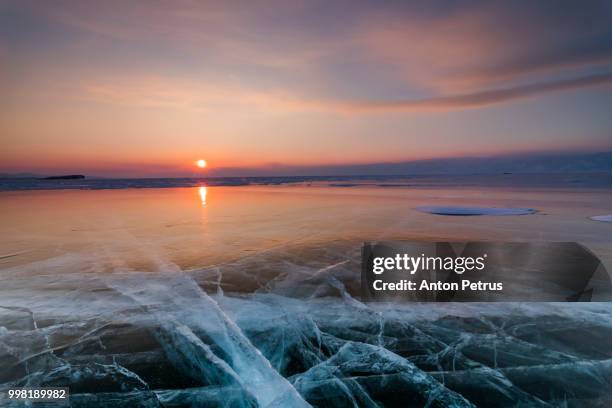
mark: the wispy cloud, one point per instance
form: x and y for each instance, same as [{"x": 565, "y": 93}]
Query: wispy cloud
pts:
[
  {"x": 194, "y": 96},
  {"x": 485, "y": 97},
  {"x": 419, "y": 45},
  {"x": 170, "y": 93}
]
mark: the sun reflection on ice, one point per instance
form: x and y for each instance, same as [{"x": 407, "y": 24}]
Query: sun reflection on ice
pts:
[{"x": 202, "y": 191}]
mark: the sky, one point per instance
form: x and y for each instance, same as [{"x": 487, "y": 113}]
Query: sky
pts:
[{"x": 145, "y": 88}]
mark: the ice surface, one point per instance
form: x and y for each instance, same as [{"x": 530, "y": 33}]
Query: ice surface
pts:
[
  {"x": 602, "y": 218},
  {"x": 172, "y": 300},
  {"x": 455, "y": 210},
  {"x": 361, "y": 374},
  {"x": 285, "y": 329}
]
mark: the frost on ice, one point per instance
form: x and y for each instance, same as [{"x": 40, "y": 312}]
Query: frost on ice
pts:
[{"x": 287, "y": 329}]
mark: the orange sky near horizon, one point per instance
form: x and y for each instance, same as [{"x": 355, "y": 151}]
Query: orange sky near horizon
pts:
[{"x": 143, "y": 89}]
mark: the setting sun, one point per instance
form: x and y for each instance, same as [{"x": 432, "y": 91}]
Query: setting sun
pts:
[{"x": 201, "y": 163}]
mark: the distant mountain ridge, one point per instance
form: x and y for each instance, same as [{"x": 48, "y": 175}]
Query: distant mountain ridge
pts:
[
  {"x": 593, "y": 162},
  {"x": 600, "y": 162}
]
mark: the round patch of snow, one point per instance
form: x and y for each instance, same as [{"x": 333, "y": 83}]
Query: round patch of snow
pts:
[
  {"x": 453, "y": 210},
  {"x": 602, "y": 218}
]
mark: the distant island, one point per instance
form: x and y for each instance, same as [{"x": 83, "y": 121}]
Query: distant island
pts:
[{"x": 66, "y": 177}]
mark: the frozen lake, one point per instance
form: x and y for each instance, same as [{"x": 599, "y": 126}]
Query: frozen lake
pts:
[{"x": 249, "y": 296}]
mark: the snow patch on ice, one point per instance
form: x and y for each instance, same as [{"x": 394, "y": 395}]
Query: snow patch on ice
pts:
[
  {"x": 602, "y": 218},
  {"x": 465, "y": 211}
]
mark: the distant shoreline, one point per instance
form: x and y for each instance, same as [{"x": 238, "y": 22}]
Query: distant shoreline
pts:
[
  {"x": 504, "y": 180},
  {"x": 66, "y": 177}
]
